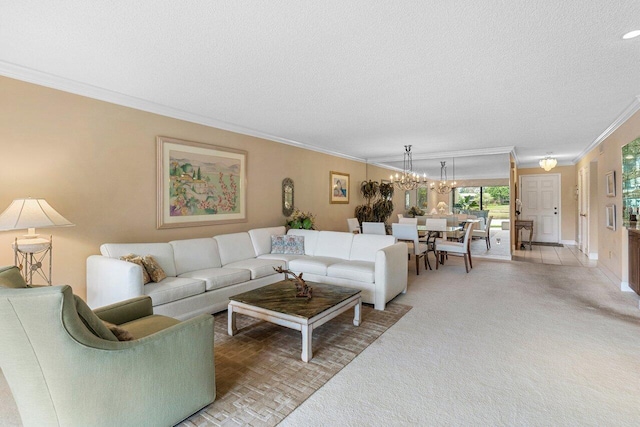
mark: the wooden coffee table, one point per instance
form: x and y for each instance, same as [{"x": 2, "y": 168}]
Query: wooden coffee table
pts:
[{"x": 277, "y": 303}]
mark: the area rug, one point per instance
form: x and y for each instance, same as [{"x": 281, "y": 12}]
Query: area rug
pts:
[{"x": 260, "y": 377}]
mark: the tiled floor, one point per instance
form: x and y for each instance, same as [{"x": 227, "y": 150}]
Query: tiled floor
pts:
[{"x": 567, "y": 255}]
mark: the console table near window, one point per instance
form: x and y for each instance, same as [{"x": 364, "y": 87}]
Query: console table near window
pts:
[{"x": 524, "y": 224}]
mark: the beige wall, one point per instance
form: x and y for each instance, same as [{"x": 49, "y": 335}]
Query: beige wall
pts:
[
  {"x": 95, "y": 163},
  {"x": 612, "y": 245},
  {"x": 568, "y": 198}
]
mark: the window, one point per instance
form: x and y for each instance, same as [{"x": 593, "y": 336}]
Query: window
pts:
[
  {"x": 421, "y": 197},
  {"x": 492, "y": 198}
]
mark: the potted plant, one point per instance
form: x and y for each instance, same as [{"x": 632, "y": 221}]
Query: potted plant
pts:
[
  {"x": 383, "y": 207},
  {"x": 300, "y": 219},
  {"x": 369, "y": 190}
]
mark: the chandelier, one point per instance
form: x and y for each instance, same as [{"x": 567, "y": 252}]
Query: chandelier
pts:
[
  {"x": 444, "y": 186},
  {"x": 409, "y": 180},
  {"x": 548, "y": 163}
]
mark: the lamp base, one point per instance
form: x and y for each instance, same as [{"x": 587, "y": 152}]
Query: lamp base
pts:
[{"x": 29, "y": 255}]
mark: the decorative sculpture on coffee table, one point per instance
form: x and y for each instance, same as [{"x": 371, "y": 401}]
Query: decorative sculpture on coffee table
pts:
[{"x": 302, "y": 289}]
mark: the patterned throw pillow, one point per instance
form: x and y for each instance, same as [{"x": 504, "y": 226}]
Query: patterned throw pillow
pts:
[
  {"x": 136, "y": 259},
  {"x": 156, "y": 272},
  {"x": 121, "y": 334},
  {"x": 289, "y": 245}
]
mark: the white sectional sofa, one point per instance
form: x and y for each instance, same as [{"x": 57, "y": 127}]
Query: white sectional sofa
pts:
[{"x": 202, "y": 273}]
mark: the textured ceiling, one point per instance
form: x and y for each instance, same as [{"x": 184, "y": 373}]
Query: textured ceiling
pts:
[{"x": 359, "y": 78}]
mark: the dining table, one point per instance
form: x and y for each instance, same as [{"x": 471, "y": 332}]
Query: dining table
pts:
[{"x": 423, "y": 229}]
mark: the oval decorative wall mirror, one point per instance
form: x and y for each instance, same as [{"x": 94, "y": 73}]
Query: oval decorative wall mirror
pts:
[{"x": 287, "y": 196}]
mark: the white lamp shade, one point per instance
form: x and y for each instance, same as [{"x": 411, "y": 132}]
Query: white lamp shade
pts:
[{"x": 31, "y": 213}]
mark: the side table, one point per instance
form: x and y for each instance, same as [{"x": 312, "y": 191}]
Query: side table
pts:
[{"x": 524, "y": 224}]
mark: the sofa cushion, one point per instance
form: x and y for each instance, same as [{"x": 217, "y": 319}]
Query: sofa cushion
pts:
[
  {"x": 91, "y": 321},
  {"x": 195, "y": 254},
  {"x": 281, "y": 257},
  {"x": 365, "y": 246},
  {"x": 334, "y": 244},
  {"x": 360, "y": 271},
  {"x": 313, "y": 265},
  {"x": 234, "y": 247},
  {"x": 216, "y": 278},
  {"x": 287, "y": 244},
  {"x": 162, "y": 252},
  {"x": 173, "y": 289},
  {"x": 258, "y": 267},
  {"x": 310, "y": 239},
  {"x": 261, "y": 238}
]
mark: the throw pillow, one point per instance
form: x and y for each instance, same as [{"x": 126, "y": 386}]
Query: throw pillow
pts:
[
  {"x": 121, "y": 334},
  {"x": 136, "y": 259},
  {"x": 10, "y": 277},
  {"x": 156, "y": 273},
  {"x": 287, "y": 244}
]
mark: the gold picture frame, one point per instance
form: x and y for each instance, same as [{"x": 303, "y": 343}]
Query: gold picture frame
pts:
[
  {"x": 199, "y": 184},
  {"x": 339, "y": 191}
]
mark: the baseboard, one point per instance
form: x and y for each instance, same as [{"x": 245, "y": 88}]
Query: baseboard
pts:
[
  {"x": 569, "y": 242},
  {"x": 624, "y": 287}
]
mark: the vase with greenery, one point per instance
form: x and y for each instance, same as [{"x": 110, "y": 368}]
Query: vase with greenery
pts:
[{"x": 300, "y": 219}]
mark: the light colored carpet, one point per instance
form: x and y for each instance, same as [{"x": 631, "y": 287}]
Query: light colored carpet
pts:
[
  {"x": 260, "y": 377},
  {"x": 508, "y": 344}
]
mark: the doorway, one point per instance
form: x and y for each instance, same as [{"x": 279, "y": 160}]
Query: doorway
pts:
[
  {"x": 583, "y": 209},
  {"x": 540, "y": 196}
]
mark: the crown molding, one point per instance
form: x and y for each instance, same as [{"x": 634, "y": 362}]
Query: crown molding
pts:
[
  {"x": 446, "y": 154},
  {"x": 78, "y": 88},
  {"x": 623, "y": 117}
]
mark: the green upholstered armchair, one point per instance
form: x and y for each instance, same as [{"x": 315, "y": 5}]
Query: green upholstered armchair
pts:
[{"x": 66, "y": 368}]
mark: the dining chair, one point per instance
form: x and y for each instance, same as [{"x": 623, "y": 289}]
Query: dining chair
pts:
[
  {"x": 354, "y": 225},
  {"x": 484, "y": 234},
  {"x": 400, "y": 216},
  {"x": 374, "y": 228},
  {"x": 436, "y": 233},
  {"x": 413, "y": 221},
  {"x": 409, "y": 233},
  {"x": 457, "y": 248}
]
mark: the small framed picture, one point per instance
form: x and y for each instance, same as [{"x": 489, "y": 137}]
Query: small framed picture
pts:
[
  {"x": 610, "y": 216},
  {"x": 610, "y": 184},
  {"x": 338, "y": 187}
]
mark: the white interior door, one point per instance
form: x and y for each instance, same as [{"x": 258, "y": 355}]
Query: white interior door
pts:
[
  {"x": 540, "y": 197},
  {"x": 583, "y": 210}
]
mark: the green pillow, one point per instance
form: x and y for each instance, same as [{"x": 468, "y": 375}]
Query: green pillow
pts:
[{"x": 10, "y": 277}]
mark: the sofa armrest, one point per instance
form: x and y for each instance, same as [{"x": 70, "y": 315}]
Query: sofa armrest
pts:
[
  {"x": 391, "y": 273},
  {"x": 111, "y": 280},
  {"x": 126, "y": 311}
]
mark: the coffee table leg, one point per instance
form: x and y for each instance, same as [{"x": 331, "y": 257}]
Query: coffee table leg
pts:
[
  {"x": 307, "y": 351},
  {"x": 231, "y": 321},
  {"x": 357, "y": 315}
]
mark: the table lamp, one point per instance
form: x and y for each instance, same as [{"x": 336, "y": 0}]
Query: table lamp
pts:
[
  {"x": 31, "y": 214},
  {"x": 442, "y": 206}
]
